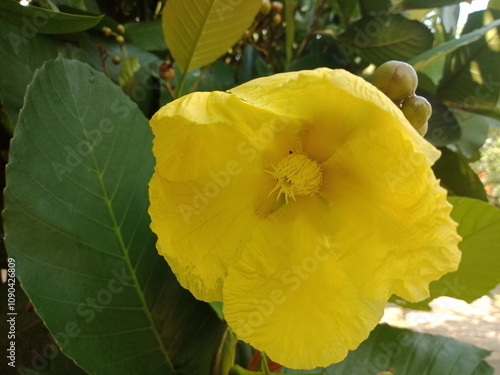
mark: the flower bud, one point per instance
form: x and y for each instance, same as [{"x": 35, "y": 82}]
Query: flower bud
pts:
[
  {"x": 120, "y": 40},
  {"x": 277, "y": 19},
  {"x": 116, "y": 60},
  {"x": 417, "y": 111},
  {"x": 121, "y": 29},
  {"x": 106, "y": 31},
  {"x": 265, "y": 8},
  {"x": 167, "y": 71},
  {"x": 396, "y": 79}
]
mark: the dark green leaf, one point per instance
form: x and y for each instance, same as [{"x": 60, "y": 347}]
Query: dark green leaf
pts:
[
  {"x": 384, "y": 37},
  {"x": 457, "y": 177},
  {"x": 76, "y": 222},
  {"x": 471, "y": 80},
  {"x": 22, "y": 53},
  {"x": 443, "y": 49},
  {"x": 479, "y": 227},
  {"x": 373, "y": 6},
  {"x": 33, "y": 19},
  {"x": 422, "y": 4},
  {"x": 217, "y": 77},
  {"x": 146, "y": 35},
  {"x": 248, "y": 67},
  {"x": 409, "y": 353},
  {"x": 36, "y": 351},
  {"x": 142, "y": 89},
  {"x": 443, "y": 126}
]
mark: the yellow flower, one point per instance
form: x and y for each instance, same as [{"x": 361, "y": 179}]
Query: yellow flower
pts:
[{"x": 303, "y": 201}]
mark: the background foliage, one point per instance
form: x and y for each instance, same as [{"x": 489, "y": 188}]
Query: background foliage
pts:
[{"x": 79, "y": 81}]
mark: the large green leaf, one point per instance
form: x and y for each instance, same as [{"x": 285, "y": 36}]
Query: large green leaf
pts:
[
  {"x": 21, "y": 56},
  {"x": 471, "y": 80},
  {"x": 76, "y": 223},
  {"x": 428, "y": 57},
  {"x": 199, "y": 31},
  {"x": 410, "y": 353},
  {"x": 457, "y": 177},
  {"x": 36, "y": 351},
  {"x": 478, "y": 273},
  {"x": 34, "y": 20},
  {"x": 146, "y": 35},
  {"x": 384, "y": 37}
]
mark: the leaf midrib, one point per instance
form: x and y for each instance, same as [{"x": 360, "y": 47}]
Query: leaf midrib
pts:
[
  {"x": 202, "y": 29},
  {"x": 121, "y": 242}
]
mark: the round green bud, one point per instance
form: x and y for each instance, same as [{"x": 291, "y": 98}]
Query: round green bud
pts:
[
  {"x": 396, "y": 79},
  {"x": 106, "y": 31},
  {"x": 121, "y": 29},
  {"x": 417, "y": 111},
  {"x": 277, "y": 19},
  {"x": 265, "y": 8},
  {"x": 120, "y": 40},
  {"x": 116, "y": 60}
]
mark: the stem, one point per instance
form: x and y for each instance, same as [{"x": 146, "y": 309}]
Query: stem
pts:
[
  {"x": 238, "y": 370},
  {"x": 263, "y": 364},
  {"x": 170, "y": 91},
  {"x": 306, "y": 41},
  {"x": 181, "y": 84}
]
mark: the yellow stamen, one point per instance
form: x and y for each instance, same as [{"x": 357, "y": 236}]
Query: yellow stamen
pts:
[{"x": 296, "y": 174}]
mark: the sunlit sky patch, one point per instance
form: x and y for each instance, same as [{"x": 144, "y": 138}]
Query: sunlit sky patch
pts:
[{"x": 466, "y": 8}]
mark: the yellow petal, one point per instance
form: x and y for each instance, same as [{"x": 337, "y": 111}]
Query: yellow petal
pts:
[
  {"x": 334, "y": 104},
  {"x": 210, "y": 188},
  {"x": 392, "y": 216},
  {"x": 289, "y": 296}
]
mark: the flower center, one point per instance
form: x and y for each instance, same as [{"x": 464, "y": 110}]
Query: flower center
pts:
[{"x": 297, "y": 175}]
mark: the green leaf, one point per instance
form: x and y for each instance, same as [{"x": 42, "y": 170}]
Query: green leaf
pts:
[
  {"x": 76, "y": 223},
  {"x": 146, "y": 35},
  {"x": 34, "y": 20},
  {"x": 21, "y": 56},
  {"x": 218, "y": 76},
  {"x": 421, "y": 4},
  {"x": 471, "y": 79},
  {"x": 479, "y": 227},
  {"x": 374, "y": 6},
  {"x": 443, "y": 126},
  {"x": 199, "y": 31},
  {"x": 128, "y": 69},
  {"x": 428, "y": 57},
  {"x": 473, "y": 131},
  {"x": 409, "y": 353},
  {"x": 457, "y": 177},
  {"x": 384, "y": 37},
  {"x": 36, "y": 351},
  {"x": 249, "y": 66}
]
